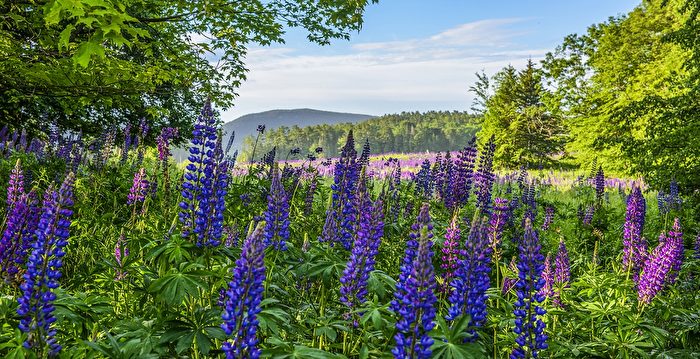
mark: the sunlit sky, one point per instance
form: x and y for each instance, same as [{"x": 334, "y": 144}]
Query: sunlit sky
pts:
[{"x": 412, "y": 55}]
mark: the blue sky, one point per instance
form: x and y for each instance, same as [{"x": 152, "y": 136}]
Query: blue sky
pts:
[{"x": 412, "y": 55}]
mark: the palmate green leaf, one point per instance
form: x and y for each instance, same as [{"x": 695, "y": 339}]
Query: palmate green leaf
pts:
[
  {"x": 64, "y": 38},
  {"x": 173, "y": 287}
]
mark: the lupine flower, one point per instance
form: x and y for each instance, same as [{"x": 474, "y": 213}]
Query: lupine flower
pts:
[
  {"x": 634, "y": 246},
  {"x": 353, "y": 289},
  {"x": 471, "y": 281},
  {"x": 548, "y": 277},
  {"x": 277, "y": 215},
  {"x": 121, "y": 251},
  {"x": 599, "y": 185},
  {"x": 451, "y": 252},
  {"x": 464, "y": 174},
  {"x": 676, "y": 236},
  {"x": 414, "y": 298},
  {"x": 204, "y": 187},
  {"x": 43, "y": 270},
  {"x": 106, "y": 146},
  {"x": 15, "y": 187},
  {"x": 343, "y": 211},
  {"x": 139, "y": 188},
  {"x": 697, "y": 246},
  {"x": 395, "y": 187},
  {"x": 499, "y": 217},
  {"x": 364, "y": 157},
  {"x": 11, "y": 243},
  {"x": 163, "y": 142},
  {"x": 483, "y": 180},
  {"x": 243, "y": 297},
  {"x": 657, "y": 269},
  {"x": 588, "y": 216},
  {"x": 548, "y": 217},
  {"x": 424, "y": 180},
  {"x": 232, "y": 235},
  {"x": 528, "y": 326},
  {"x": 443, "y": 184},
  {"x": 562, "y": 268}
]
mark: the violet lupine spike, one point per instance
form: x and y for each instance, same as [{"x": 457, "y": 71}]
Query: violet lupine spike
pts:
[
  {"x": 697, "y": 246},
  {"x": 243, "y": 298},
  {"x": 451, "y": 252},
  {"x": 464, "y": 174},
  {"x": 277, "y": 214},
  {"x": 529, "y": 328},
  {"x": 139, "y": 188},
  {"x": 424, "y": 181},
  {"x": 588, "y": 216},
  {"x": 43, "y": 270},
  {"x": 471, "y": 281},
  {"x": 675, "y": 235},
  {"x": 599, "y": 185},
  {"x": 548, "y": 217},
  {"x": 345, "y": 177},
  {"x": 446, "y": 178},
  {"x": 634, "y": 245},
  {"x": 656, "y": 270},
  {"x": 414, "y": 298},
  {"x": 11, "y": 243},
  {"x": 497, "y": 222},
  {"x": 15, "y": 187},
  {"x": 353, "y": 289},
  {"x": 562, "y": 267},
  {"x": 548, "y": 277},
  {"x": 483, "y": 180}
]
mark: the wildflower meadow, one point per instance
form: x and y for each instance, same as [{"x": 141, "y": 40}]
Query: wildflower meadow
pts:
[{"x": 112, "y": 249}]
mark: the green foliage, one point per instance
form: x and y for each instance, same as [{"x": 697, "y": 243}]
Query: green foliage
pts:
[
  {"x": 525, "y": 130},
  {"x": 96, "y": 63}
]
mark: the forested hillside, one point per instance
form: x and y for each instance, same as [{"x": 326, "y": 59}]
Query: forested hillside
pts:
[{"x": 404, "y": 132}]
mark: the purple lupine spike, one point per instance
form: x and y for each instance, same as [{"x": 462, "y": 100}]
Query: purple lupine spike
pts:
[
  {"x": 548, "y": 277},
  {"x": 277, "y": 214},
  {"x": 424, "y": 181},
  {"x": 395, "y": 189},
  {"x": 446, "y": 177},
  {"x": 15, "y": 187},
  {"x": 364, "y": 157},
  {"x": 469, "y": 286},
  {"x": 464, "y": 174},
  {"x": 548, "y": 217},
  {"x": 562, "y": 267},
  {"x": 588, "y": 216},
  {"x": 675, "y": 235},
  {"x": 673, "y": 199},
  {"x": 634, "y": 245},
  {"x": 11, "y": 242},
  {"x": 529, "y": 328},
  {"x": 599, "y": 185},
  {"x": 139, "y": 188},
  {"x": 353, "y": 289},
  {"x": 657, "y": 269},
  {"x": 451, "y": 252},
  {"x": 697, "y": 246},
  {"x": 414, "y": 298},
  {"x": 243, "y": 298},
  {"x": 233, "y": 234},
  {"x": 345, "y": 177},
  {"x": 499, "y": 218},
  {"x": 483, "y": 180},
  {"x": 127, "y": 143},
  {"x": 205, "y": 184},
  {"x": 43, "y": 270}
]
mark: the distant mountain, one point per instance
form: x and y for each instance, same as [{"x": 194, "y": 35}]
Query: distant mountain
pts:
[{"x": 247, "y": 124}]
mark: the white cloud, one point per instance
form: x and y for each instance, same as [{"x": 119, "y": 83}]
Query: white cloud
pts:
[{"x": 433, "y": 72}]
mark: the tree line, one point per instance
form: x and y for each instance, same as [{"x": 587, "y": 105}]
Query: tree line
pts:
[{"x": 403, "y": 132}]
